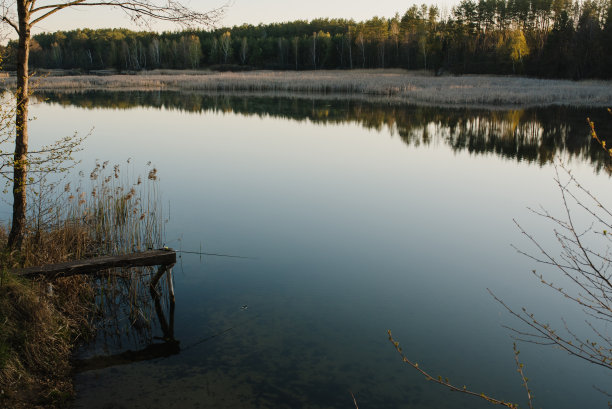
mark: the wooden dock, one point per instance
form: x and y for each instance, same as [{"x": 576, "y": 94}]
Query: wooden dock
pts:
[{"x": 162, "y": 257}]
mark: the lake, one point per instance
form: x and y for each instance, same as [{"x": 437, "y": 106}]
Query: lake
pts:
[{"x": 353, "y": 219}]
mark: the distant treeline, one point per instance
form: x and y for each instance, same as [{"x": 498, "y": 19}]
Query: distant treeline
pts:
[{"x": 546, "y": 38}]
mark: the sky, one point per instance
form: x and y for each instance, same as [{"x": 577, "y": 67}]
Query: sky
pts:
[{"x": 240, "y": 12}]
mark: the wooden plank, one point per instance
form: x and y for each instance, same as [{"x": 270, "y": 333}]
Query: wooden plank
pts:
[{"x": 145, "y": 258}]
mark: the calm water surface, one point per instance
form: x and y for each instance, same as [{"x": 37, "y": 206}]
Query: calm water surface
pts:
[{"x": 359, "y": 218}]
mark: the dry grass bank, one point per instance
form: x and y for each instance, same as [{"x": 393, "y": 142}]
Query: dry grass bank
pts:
[
  {"x": 41, "y": 321},
  {"x": 39, "y": 327},
  {"x": 390, "y": 85}
]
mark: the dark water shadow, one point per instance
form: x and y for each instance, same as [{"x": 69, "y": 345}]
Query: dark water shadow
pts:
[{"x": 168, "y": 346}]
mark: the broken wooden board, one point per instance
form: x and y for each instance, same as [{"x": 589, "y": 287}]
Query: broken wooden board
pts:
[{"x": 92, "y": 265}]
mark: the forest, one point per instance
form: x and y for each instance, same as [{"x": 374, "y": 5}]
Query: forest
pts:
[{"x": 541, "y": 38}]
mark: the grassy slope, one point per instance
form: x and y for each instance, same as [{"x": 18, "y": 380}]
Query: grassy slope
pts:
[
  {"x": 39, "y": 327},
  {"x": 36, "y": 339}
]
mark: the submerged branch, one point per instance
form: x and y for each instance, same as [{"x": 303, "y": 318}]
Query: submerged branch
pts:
[{"x": 445, "y": 382}]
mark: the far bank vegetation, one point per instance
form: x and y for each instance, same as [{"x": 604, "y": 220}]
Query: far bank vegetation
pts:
[
  {"x": 551, "y": 38},
  {"x": 390, "y": 85}
]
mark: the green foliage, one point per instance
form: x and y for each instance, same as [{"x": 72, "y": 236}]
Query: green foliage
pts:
[{"x": 545, "y": 38}]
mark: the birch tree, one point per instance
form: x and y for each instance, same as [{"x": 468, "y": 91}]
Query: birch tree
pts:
[
  {"x": 349, "y": 33},
  {"x": 226, "y": 45},
  {"x": 244, "y": 48},
  {"x": 22, "y": 16},
  {"x": 296, "y": 49},
  {"x": 361, "y": 43},
  {"x": 314, "y": 50}
]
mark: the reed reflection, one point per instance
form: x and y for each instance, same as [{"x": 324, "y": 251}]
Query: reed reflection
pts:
[{"x": 127, "y": 320}]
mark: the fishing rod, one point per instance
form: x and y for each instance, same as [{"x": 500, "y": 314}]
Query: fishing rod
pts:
[{"x": 201, "y": 253}]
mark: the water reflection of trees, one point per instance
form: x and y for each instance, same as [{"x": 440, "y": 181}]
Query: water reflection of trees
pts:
[{"x": 533, "y": 135}]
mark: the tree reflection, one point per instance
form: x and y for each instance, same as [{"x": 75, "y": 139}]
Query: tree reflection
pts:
[{"x": 533, "y": 135}]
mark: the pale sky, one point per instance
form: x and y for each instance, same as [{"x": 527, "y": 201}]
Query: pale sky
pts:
[{"x": 240, "y": 11}]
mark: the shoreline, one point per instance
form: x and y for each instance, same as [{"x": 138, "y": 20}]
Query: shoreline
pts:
[
  {"x": 387, "y": 86},
  {"x": 41, "y": 332}
]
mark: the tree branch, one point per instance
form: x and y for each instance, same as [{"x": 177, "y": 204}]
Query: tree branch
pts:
[
  {"x": 445, "y": 382},
  {"x": 172, "y": 11},
  {"x": 55, "y": 8},
  {"x": 10, "y": 23}
]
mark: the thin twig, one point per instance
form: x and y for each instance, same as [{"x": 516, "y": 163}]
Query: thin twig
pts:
[{"x": 445, "y": 382}]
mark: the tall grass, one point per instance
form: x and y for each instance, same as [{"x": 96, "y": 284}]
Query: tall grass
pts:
[
  {"x": 35, "y": 343},
  {"x": 121, "y": 213},
  {"x": 108, "y": 211},
  {"x": 393, "y": 85}
]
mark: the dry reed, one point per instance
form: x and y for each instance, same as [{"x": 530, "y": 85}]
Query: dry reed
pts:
[
  {"x": 392, "y": 85},
  {"x": 35, "y": 339},
  {"x": 40, "y": 322},
  {"x": 121, "y": 214}
]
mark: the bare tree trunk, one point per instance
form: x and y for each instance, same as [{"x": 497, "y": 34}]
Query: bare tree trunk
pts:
[
  {"x": 20, "y": 168},
  {"x": 314, "y": 50},
  {"x": 296, "y": 45},
  {"x": 244, "y": 46},
  {"x": 350, "y": 47},
  {"x": 29, "y": 15}
]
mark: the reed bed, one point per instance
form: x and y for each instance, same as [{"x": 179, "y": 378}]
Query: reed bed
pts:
[
  {"x": 108, "y": 211},
  {"x": 121, "y": 213},
  {"x": 392, "y": 85}
]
